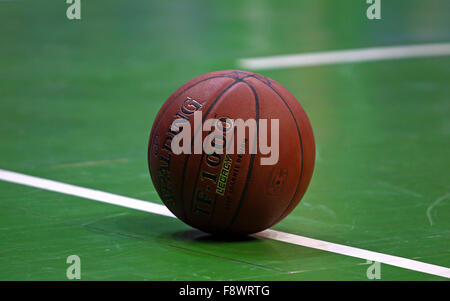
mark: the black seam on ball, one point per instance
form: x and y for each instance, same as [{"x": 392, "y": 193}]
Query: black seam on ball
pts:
[
  {"x": 156, "y": 122},
  {"x": 301, "y": 148},
  {"x": 252, "y": 158},
  {"x": 183, "y": 203}
]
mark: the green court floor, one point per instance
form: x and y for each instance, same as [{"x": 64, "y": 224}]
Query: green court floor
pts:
[{"x": 78, "y": 99}]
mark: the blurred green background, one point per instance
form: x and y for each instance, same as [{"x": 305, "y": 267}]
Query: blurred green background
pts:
[{"x": 78, "y": 98}]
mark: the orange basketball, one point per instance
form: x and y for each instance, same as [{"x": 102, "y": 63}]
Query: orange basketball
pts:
[{"x": 231, "y": 191}]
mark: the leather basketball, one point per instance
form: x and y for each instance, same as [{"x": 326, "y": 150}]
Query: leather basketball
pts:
[{"x": 232, "y": 193}]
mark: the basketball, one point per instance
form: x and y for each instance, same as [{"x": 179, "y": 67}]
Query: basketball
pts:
[{"x": 231, "y": 152}]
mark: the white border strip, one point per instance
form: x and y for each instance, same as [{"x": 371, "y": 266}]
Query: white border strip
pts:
[
  {"x": 345, "y": 56},
  {"x": 127, "y": 202},
  {"x": 86, "y": 193},
  {"x": 355, "y": 252}
]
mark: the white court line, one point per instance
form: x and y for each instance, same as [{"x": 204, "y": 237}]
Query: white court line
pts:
[
  {"x": 356, "y": 252},
  {"x": 86, "y": 193},
  {"x": 345, "y": 56},
  {"x": 114, "y": 199}
]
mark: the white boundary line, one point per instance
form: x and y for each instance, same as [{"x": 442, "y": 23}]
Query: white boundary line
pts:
[
  {"x": 345, "y": 56},
  {"x": 127, "y": 202},
  {"x": 82, "y": 192},
  {"x": 356, "y": 252}
]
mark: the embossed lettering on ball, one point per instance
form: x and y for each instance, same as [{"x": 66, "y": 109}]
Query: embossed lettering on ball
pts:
[{"x": 231, "y": 152}]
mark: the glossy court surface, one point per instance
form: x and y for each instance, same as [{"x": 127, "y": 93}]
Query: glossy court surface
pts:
[{"x": 78, "y": 99}]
